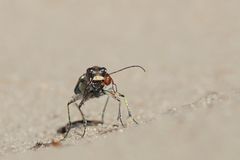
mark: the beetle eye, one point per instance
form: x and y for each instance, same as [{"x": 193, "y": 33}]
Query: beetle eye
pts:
[
  {"x": 89, "y": 70},
  {"x": 93, "y": 72},
  {"x": 102, "y": 71}
]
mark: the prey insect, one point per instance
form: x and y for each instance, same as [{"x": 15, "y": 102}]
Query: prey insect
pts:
[{"x": 95, "y": 83}]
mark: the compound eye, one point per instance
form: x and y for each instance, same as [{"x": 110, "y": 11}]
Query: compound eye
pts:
[
  {"x": 91, "y": 72},
  {"x": 102, "y": 71}
]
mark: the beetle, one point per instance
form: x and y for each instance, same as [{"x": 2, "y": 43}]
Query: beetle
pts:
[{"x": 95, "y": 83}]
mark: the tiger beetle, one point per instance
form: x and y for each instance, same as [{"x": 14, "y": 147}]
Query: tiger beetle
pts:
[{"x": 95, "y": 83}]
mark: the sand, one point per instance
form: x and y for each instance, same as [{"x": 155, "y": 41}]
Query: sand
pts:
[{"x": 187, "y": 103}]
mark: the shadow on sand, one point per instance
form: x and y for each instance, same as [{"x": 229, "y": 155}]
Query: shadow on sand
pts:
[{"x": 78, "y": 123}]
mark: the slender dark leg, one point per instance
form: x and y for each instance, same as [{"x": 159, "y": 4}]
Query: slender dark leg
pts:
[
  {"x": 114, "y": 96},
  {"x": 83, "y": 117},
  {"x": 114, "y": 87},
  {"x": 128, "y": 108},
  {"x": 74, "y": 99},
  {"x": 119, "y": 118},
  {"x": 69, "y": 122},
  {"x": 68, "y": 127},
  {"x": 104, "y": 109}
]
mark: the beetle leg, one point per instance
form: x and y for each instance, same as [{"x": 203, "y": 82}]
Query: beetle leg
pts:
[
  {"x": 104, "y": 109},
  {"x": 128, "y": 108},
  {"x": 83, "y": 117},
  {"x": 72, "y": 100},
  {"x": 113, "y": 94},
  {"x": 119, "y": 118}
]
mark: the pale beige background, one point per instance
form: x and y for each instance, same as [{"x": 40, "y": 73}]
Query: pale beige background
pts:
[{"x": 189, "y": 48}]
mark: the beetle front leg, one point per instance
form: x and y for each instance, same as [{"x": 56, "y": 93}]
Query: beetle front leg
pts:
[
  {"x": 128, "y": 108},
  {"x": 119, "y": 118},
  {"x": 72, "y": 100},
  {"x": 114, "y": 95}
]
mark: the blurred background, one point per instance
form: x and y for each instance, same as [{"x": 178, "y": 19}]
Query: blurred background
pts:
[{"x": 189, "y": 48}]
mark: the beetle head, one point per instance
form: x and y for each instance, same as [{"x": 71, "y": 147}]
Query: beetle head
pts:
[{"x": 97, "y": 76}]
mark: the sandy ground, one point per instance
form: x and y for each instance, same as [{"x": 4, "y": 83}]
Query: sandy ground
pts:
[{"x": 187, "y": 103}]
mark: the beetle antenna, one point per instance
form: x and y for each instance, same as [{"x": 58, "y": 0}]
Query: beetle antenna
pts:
[{"x": 128, "y": 68}]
